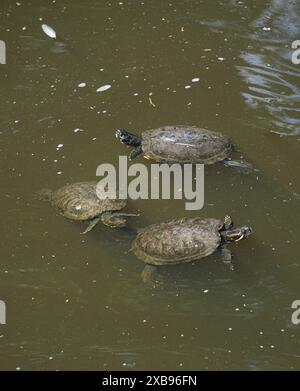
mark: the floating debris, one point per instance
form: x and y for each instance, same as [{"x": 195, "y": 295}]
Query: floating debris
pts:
[
  {"x": 49, "y": 31},
  {"x": 151, "y": 103},
  {"x": 104, "y": 88}
]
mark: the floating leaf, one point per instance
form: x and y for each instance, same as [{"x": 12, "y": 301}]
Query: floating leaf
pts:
[
  {"x": 104, "y": 88},
  {"x": 49, "y": 31}
]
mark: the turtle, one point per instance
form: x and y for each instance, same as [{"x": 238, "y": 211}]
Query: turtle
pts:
[
  {"x": 79, "y": 201},
  {"x": 182, "y": 144},
  {"x": 185, "y": 240}
]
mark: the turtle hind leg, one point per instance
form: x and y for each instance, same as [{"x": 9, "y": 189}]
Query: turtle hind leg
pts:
[
  {"x": 243, "y": 166},
  {"x": 137, "y": 151},
  {"x": 91, "y": 225},
  {"x": 151, "y": 276}
]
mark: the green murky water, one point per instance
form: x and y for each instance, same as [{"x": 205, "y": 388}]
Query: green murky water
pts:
[{"x": 78, "y": 302}]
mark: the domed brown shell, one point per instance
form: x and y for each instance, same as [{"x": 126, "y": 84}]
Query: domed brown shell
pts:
[
  {"x": 185, "y": 144},
  {"x": 79, "y": 201},
  {"x": 177, "y": 241}
]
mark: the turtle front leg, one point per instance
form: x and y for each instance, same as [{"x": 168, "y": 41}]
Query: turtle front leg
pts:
[
  {"x": 227, "y": 258},
  {"x": 136, "y": 152},
  {"x": 151, "y": 276},
  {"x": 115, "y": 219},
  {"x": 91, "y": 225}
]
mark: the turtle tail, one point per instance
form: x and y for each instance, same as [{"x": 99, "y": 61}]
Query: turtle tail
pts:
[{"x": 44, "y": 194}]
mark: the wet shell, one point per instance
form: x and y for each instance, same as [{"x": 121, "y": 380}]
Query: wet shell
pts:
[
  {"x": 79, "y": 201},
  {"x": 177, "y": 241},
  {"x": 185, "y": 144}
]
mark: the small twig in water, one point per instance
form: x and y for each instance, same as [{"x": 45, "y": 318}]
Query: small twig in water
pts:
[{"x": 151, "y": 103}]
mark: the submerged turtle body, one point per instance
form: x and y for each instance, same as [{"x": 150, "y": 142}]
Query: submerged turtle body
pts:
[
  {"x": 79, "y": 201},
  {"x": 178, "y": 241},
  {"x": 179, "y": 143}
]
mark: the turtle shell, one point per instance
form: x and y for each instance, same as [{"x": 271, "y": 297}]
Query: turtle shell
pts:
[
  {"x": 185, "y": 144},
  {"x": 79, "y": 201},
  {"x": 177, "y": 241}
]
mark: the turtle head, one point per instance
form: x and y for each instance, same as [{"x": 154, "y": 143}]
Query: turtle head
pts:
[
  {"x": 234, "y": 235},
  {"x": 128, "y": 138}
]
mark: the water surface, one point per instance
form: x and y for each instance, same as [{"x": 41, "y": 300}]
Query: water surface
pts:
[{"x": 78, "y": 302}]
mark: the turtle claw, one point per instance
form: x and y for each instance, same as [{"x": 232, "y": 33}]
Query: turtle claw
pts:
[{"x": 228, "y": 222}]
